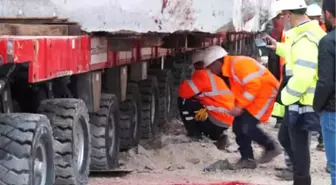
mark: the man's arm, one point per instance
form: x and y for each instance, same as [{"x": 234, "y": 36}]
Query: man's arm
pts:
[
  {"x": 304, "y": 53},
  {"x": 326, "y": 73},
  {"x": 195, "y": 86}
]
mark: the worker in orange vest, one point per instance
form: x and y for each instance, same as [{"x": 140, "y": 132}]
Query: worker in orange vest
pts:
[
  {"x": 276, "y": 63},
  {"x": 255, "y": 90},
  {"x": 204, "y": 102}
]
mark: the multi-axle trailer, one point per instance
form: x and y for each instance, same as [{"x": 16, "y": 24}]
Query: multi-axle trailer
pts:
[{"x": 77, "y": 91}]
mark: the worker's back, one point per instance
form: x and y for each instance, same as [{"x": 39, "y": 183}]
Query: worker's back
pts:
[
  {"x": 211, "y": 91},
  {"x": 253, "y": 85}
]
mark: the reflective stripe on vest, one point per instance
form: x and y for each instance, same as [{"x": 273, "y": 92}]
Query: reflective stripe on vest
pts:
[
  {"x": 303, "y": 63},
  {"x": 268, "y": 103},
  {"x": 301, "y": 110},
  {"x": 298, "y": 94},
  {"x": 213, "y": 92},
  {"x": 248, "y": 77},
  {"x": 217, "y": 109}
]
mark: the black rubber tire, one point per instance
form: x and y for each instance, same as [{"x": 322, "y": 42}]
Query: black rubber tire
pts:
[
  {"x": 64, "y": 115},
  {"x": 20, "y": 136},
  {"x": 150, "y": 94},
  {"x": 167, "y": 95},
  {"x": 180, "y": 72},
  {"x": 105, "y": 145},
  {"x": 130, "y": 117}
]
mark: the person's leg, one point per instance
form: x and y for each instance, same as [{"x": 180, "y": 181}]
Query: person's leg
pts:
[
  {"x": 284, "y": 139},
  {"x": 216, "y": 134},
  {"x": 255, "y": 133},
  {"x": 320, "y": 145},
  {"x": 187, "y": 108},
  {"x": 245, "y": 145},
  {"x": 243, "y": 140},
  {"x": 328, "y": 120},
  {"x": 301, "y": 156}
]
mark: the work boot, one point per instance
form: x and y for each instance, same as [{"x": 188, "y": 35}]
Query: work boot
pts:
[
  {"x": 327, "y": 168},
  {"x": 298, "y": 180},
  {"x": 320, "y": 147},
  {"x": 277, "y": 125},
  {"x": 223, "y": 142},
  {"x": 269, "y": 155},
  {"x": 286, "y": 175},
  {"x": 244, "y": 164}
]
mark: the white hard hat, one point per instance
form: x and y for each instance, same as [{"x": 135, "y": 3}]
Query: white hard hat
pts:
[
  {"x": 274, "y": 10},
  {"x": 314, "y": 10},
  {"x": 197, "y": 56},
  {"x": 212, "y": 54},
  {"x": 292, "y": 4}
]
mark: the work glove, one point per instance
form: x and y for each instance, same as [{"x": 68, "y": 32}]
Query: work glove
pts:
[{"x": 201, "y": 115}]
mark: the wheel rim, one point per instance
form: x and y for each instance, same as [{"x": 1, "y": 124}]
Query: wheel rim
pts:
[
  {"x": 135, "y": 119},
  {"x": 111, "y": 134},
  {"x": 168, "y": 99},
  {"x": 153, "y": 109},
  {"x": 40, "y": 165},
  {"x": 79, "y": 145}
]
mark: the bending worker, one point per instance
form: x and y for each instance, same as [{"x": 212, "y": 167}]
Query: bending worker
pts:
[
  {"x": 255, "y": 90},
  {"x": 204, "y": 103},
  {"x": 300, "y": 52}
]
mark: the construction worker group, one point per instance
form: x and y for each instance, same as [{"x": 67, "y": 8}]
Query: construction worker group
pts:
[{"x": 227, "y": 90}]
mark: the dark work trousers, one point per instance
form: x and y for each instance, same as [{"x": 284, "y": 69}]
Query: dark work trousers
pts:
[
  {"x": 195, "y": 128},
  {"x": 246, "y": 130},
  {"x": 295, "y": 141}
]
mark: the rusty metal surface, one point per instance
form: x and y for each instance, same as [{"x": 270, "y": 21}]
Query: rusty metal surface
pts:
[
  {"x": 241, "y": 43},
  {"x": 129, "y": 16}
]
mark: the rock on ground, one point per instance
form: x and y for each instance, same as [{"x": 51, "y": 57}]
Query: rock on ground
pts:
[{"x": 180, "y": 160}]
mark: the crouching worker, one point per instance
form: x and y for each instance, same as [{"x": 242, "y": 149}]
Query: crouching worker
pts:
[
  {"x": 204, "y": 102},
  {"x": 255, "y": 90}
]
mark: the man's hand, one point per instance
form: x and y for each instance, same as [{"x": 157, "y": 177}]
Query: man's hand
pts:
[
  {"x": 271, "y": 42},
  {"x": 236, "y": 111},
  {"x": 201, "y": 115}
]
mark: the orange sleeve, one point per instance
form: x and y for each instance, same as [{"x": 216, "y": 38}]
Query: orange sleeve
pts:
[
  {"x": 324, "y": 27},
  {"x": 199, "y": 82},
  {"x": 248, "y": 72}
]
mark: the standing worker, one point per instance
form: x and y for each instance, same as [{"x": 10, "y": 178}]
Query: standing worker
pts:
[
  {"x": 300, "y": 52},
  {"x": 324, "y": 99},
  {"x": 276, "y": 63},
  {"x": 255, "y": 89},
  {"x": 204, "y": 103},
  {"x": 314, "y": 12}
]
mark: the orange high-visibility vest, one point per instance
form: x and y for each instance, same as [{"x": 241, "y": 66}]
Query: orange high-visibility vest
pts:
[
  {"x": 213, "y": 94},
  {"x": 254, "y": 86},
  {"x": 323, "y": 26}
]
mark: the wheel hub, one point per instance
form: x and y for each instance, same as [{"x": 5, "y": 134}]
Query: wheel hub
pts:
[{"x": 40, "y": 165}]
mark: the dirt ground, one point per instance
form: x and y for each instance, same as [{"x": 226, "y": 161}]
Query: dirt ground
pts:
[{"x": 180, "y": 160}]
